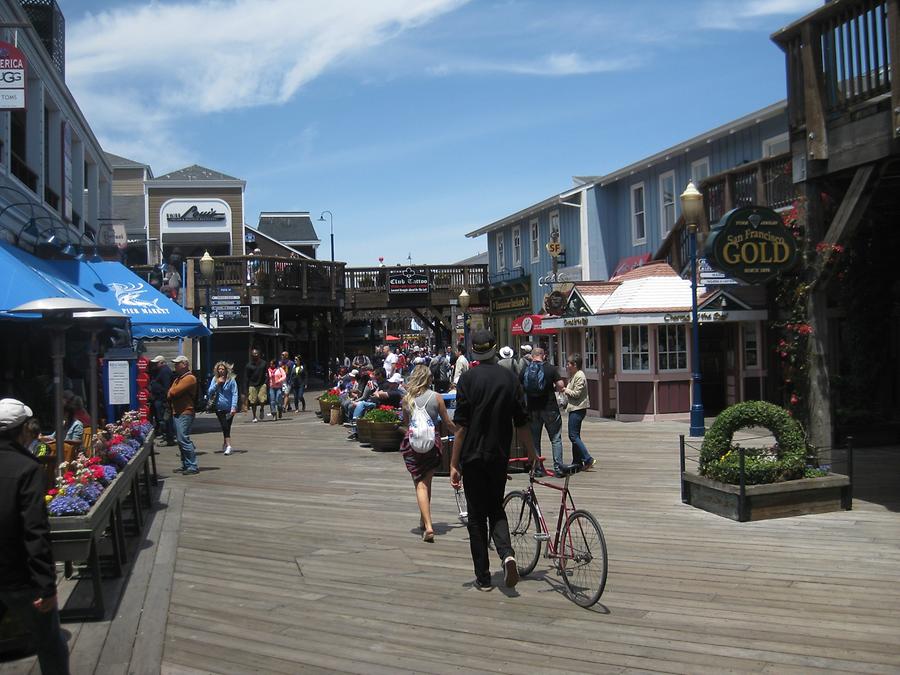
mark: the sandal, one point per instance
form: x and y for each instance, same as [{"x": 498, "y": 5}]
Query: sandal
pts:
[{"x": 428, "y": 536}]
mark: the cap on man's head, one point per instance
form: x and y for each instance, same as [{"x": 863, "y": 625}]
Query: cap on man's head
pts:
[
  {"x": 525, "y": 349},
  {"x": 354, "y": 372},
  {"x": 506, "y": 352},
  {"x": 181, "y": 358},
  {"x": 13, "y": 413},
  {"x": 484, "y": 344},
  {"x": 396, "y": 378},
  {"x": 159, "y": 358}
]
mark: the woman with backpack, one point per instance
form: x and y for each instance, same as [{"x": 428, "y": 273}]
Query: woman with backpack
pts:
[{"x": 423, "y": 410}]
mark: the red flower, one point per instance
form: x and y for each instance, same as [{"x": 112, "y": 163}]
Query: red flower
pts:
[
  {"x": 795, "y": 399},
  {"x": 52, "y": 492},
  {"x": 385, "y": 407},
  {"x": 85, "y": 479}
]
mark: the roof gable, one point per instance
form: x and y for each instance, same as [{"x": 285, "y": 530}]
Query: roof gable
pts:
[
  {"x": 196, "y": 172},
  {"x": 288, "y": 227}
]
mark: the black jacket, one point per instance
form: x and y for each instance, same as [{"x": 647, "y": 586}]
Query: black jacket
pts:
[
  {"x": 26, "y": 560},
  {"x": 160, "y": 383},
  {"x": 255, "y": 374}
]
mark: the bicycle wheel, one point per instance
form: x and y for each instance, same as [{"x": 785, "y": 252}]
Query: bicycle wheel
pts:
[
  {"x": 523, "y": 526},
  {"x": 582, "y": 558}
]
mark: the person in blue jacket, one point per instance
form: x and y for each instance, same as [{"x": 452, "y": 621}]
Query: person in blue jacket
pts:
[{"x": 224, "y": 387}]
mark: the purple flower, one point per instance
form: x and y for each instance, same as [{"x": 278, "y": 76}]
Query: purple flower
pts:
[
  {"x": 109, "y": 473},
  {"x": 65, "y": 505}
]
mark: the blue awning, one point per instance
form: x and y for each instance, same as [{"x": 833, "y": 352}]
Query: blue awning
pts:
[
  {"x": 114, "y": 286},
  {"x": 26, "y": 277}
]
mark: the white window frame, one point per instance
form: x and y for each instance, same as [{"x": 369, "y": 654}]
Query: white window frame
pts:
[
  {"x": 554, "y": 221},
  {"x": 635, "y": 240},
  {"x": 663, "y": 227},
  {"x": 501, "y": 251},
  {"x": 681, "y": 347},
  {"x": 770, "y": 143},
  {"x": 746, "y": 327},
  {"x": 534, "y": 231},
  {"x": 627, "y": 358},
  {"x": 517, "y": 246},
  {"x": 696, "y": 164},
  {"x": 590, "y": 349}
]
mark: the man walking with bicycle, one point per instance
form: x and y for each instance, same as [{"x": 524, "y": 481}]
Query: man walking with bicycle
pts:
[{"x": 489, "y": 403}]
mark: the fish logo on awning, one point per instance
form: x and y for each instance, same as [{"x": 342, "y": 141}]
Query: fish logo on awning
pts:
[{"x": 128, "y": 296}]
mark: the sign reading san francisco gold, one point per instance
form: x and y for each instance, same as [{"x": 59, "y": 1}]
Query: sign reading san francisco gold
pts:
[{"x": 752, "y": 244}]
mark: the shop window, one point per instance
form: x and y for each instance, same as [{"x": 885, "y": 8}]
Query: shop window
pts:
[
  {"x": 635, "y": 348},
  {"x": 517, "y": 246},
  {"x": 700, "y": 171},
  {"x": 667, "y": 201},
  {"x": 535, "y": 240},
  {"x": 672, "y": 344},
  {"x": 638, "y": 224},
  {"x": 554, "y": 221},
  {"x": 750, "y": 345},
  {"x": 501, "y": 257},
  {"x": 590, "y": 348}
]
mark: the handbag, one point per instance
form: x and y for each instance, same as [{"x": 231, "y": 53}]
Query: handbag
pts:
[
  {"x": 562, "y": 400},
  {"x": 212, "y": 402}
]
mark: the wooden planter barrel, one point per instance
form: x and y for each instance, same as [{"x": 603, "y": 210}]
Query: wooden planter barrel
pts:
[
  {"x": 364, "y": 431},
  {"x": 326, "y": 407},
  {"x": 385, "y": 436}
]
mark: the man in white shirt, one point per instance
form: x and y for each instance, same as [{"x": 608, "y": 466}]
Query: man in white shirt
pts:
[
  {"x": 390, "y": 361},
  {"x": 461, "y": 365}
]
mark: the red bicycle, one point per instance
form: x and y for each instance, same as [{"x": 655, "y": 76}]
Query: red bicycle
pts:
[{"x": 578, "y": 548}]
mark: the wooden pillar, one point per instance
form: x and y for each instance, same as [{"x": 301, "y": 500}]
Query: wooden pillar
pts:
[{"x": 818, "y": 400}]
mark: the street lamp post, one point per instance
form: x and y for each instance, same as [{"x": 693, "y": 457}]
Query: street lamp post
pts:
[
  {"x": 464, "y": 306},
  {"x": 330, "y": 228},
  {"x": 692, "y": 210},
  {"x": 208, "y": 271}
]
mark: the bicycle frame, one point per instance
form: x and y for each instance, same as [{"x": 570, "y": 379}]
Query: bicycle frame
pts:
[{"x": 565, "y": 502}]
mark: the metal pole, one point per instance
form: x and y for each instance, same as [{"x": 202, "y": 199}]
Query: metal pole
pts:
[
  {"x": 466, "y": 334},
  {"x": 58, "y": 350},
  {"x": 208, "y": 337},
  {"x": 332, "y": 242},
  {"x": 698, "y": 425},
  {"x": 92, "y": 355},
  {"x": 684, "y": 499}
]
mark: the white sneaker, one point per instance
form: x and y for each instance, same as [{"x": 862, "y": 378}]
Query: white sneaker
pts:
[
  {"x": 227, "y": 450},
  {"x": 255, "y": 420},
  {"x": 510, "y": 571}
]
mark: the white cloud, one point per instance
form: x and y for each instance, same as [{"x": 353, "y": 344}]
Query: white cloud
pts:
[
  {"x": 216, "y": 55},
  {"x": 552, "y": 65},
  {"x": 735, "y": 16}
]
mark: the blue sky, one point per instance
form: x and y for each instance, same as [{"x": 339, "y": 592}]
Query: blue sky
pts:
[{"x": 415, "y": 121}]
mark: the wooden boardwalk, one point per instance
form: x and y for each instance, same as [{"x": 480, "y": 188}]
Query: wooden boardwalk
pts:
[{"x": 300, "y": 554}]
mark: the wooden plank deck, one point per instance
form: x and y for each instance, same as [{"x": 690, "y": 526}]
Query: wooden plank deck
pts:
[{"x": 300, "y": 554}]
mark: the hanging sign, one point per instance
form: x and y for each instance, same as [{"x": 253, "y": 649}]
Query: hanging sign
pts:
[
  {"x": 408, "y": 281},
  {"x": 752, "y": 244},
  {"x": 12, "y": 77}
]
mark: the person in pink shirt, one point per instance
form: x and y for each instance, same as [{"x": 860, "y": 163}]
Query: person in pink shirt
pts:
[{"x": 277, "y": 378}]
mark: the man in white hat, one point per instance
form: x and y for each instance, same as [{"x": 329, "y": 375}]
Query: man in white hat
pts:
[
  {"x": 27, "y": 569},
  {"x": 506, "y": 359}
]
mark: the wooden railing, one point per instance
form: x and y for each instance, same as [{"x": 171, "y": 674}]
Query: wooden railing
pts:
[
  {"x": 440, "y": 278},
  {"x": 308, "y": 277},
  {"x": 767, "y": 182},
  {"x": 838, "y": 58}
]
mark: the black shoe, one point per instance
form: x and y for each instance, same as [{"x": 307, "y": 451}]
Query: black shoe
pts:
[
  {"x": 540, "y": 473},
  {"x": 483, "y": 586},
  {"x": 352, "y": 437},
  {"x": 589, "y": 465},
  {"x": 510, "y": 572}
]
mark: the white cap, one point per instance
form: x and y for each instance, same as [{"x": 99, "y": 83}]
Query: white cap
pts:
[
  {"x": 159, "y": 358},
  {"x": 396, "y": 378},
  {"x": 181, "y": 358},
  {"x": 526, "y": 348},
  {"x": 506, "y": 352},
  {"x": 418, "y": 360},
  {"x": 354, "y": 372},
  {"x": 13, "y": 413}
]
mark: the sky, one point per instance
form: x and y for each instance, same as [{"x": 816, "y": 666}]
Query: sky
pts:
[{"x": 415, "y": 121}]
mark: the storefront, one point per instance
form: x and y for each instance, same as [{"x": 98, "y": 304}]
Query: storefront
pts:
[
  {"x": 530, "y": 328},
  {"x": 509, "y": 299},
  {"x": 634, "y": 338}
]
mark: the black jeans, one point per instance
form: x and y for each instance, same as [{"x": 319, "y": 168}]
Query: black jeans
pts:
[
  {"x": 164, "y": 422},
  {"x": 485, "y": 484},
  {"x": 225, "y": 420},
  {"x": 52, "y": 651}
]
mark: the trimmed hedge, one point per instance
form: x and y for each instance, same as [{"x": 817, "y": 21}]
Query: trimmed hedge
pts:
[{"x": 720, "y": 460}]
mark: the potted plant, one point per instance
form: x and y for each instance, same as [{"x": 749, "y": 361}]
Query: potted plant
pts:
[
  {"x": 327, "y": 401},
  {"x": 384, "y": 432},
  {"x": 364, "y": 431}
]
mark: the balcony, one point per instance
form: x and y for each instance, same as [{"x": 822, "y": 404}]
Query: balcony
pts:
[
  {"x": 842, "y": 108},
  {"x": 367, "y": 287},
  {"x": 767, "y": 182}
]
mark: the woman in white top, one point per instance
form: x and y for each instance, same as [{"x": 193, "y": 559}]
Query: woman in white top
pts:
[
  {"x": 577, "y": 404},
  {"x": 422, "y": 465}
]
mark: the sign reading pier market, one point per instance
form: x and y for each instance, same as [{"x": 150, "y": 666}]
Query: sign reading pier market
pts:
[{"x": 752, "y": 244}]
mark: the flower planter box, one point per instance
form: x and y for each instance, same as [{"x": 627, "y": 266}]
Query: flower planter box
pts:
[
  {"x": 364, "y": 431},
  {"x": 385, "y": 436},
  {"x": 325, "y": 407},
  {"x": 772, "y": 500}
]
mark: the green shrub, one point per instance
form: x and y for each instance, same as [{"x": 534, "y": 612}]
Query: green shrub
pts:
[
  {"x": 786, "y": 460},
  {"x": 382, "y": 415},
  {"x": 330, "y": 398}
]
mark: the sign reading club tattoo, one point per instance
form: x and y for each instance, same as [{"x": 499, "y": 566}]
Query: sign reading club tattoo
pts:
[
  {"x": 752, "y": 244},
  {"x": 409, "y": 280}
]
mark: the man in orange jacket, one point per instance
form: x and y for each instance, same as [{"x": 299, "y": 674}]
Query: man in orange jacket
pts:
[{"x": 182, "y": 395}]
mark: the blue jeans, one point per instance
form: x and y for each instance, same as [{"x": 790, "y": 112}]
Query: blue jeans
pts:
[
  {"x": 52, "y": 651},
  {"x": 580, "y": 454},
  {"x": 183, "y": 425},
  {"x": 299, "y": 390},
  {"x": 361, "y": 409},
  {"x": 551, "y": 419},
  {"x": 275, "y": 398}
]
